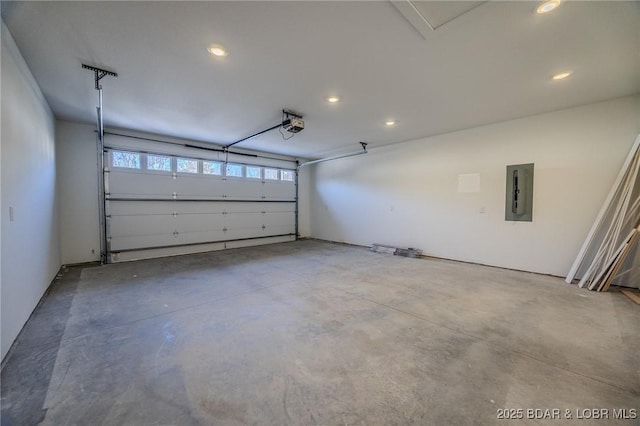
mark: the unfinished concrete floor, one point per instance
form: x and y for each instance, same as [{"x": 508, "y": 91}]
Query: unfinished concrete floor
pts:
[{"x": 316, "y": 333}]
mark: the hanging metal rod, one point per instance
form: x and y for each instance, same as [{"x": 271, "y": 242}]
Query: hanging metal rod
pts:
[
  {"x": 285, "y": 113},
  {"x": 337, "y": 157},
  {"x": 187, "y": 145},
  {"x": 252, "y": 136},
  {"x": 99, "y": 74}
]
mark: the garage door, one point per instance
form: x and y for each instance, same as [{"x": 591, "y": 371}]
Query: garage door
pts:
[{"x": 183, "y": 200}]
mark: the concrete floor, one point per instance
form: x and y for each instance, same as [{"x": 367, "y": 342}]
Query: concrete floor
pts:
[{"x": 316, "y": 333}]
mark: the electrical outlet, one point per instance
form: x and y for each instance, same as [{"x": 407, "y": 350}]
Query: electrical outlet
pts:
[
  {"x": 483, "y": 209},
  {"x": 10, "y": 214}
]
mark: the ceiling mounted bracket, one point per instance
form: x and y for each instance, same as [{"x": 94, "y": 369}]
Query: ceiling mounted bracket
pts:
[
  {"x": 99, "y": 74},
  {"x": 290, "y": 113}
]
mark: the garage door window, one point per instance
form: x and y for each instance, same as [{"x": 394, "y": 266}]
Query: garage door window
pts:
[
  {"x": 271, "y": 174},
  {"x": 254, "y": 172},
  {"x": 159, "y": 162},
  {"x": 187, "y": 165},
  {"x": 128, "y": 160},
  {"x": 287, "y": 175},
  {"x": 211, "y": 168},
  {"x": 234, "y": 170}
]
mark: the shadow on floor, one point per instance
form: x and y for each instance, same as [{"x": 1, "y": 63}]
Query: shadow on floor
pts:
[{"x": 28, "y": 367}]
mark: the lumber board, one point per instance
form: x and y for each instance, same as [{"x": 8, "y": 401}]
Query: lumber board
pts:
[
  {"x": 598, "y": 269},
  {"x": 620, "y": 260},
  {"x": 606, "y": 251},
  {"x": 621, "y": 210},
  {"x": 604, "y": 255},
  {"x": 604, "y": 273},
  {"x": 605, "y": 207},
  {"x": 625, "y": 207},
  {"x": 608, "y": 265},
  {"x": 632, "y": 212},
  {"x": 631, "y": 295}
]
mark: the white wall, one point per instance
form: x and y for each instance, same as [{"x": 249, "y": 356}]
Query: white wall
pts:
[
  {"x": 77, "y": 163},
  {"x": 407, "y": 194},
  {"x": 30, "y": 243},
  {"x": 304, "y": 202}
]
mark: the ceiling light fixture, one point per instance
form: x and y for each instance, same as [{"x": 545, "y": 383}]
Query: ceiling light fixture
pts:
[
  {"x": 333, "y": 99},
  {"x": 390, "y": 123},
  {"x": 562, "y": 75},
  {"x": 217, "y": 50},
  {"x": 548, "y": 6}
]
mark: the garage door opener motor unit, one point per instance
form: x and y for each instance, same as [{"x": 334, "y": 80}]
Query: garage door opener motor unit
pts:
[{"x": 293, "y": 124}]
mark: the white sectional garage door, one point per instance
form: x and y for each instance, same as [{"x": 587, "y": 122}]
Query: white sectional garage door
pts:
[{"x": 178, "y": 200}]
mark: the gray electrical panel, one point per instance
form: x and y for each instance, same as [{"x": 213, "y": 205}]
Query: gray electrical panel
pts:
[{"x": 519, "y": 200}]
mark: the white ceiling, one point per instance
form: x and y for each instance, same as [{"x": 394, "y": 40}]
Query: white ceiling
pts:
[{"x": 492, "y": 63}]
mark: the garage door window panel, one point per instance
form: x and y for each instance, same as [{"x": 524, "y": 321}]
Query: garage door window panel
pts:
[
  {"x": 234, "y": 170},
  {"x": 125, "y": 160},
  {"x": 254, "y": 172},
  {"x": 271, "y": 174},
  {"x": 187, "y": 165},
  {"x": 287, "y": 175},
  {"x": 159, "y": 163},
  {"x": 212, "y": 168}
]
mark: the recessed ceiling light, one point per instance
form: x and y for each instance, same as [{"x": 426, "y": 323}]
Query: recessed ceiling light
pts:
[
  {"x": 548, "y": 6},
  {"x": 562, "y": 75},
  {"x": 390, "y": 123},
  {"x": 217, "y": 50},
  {"x": 333, "y": 99}
]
